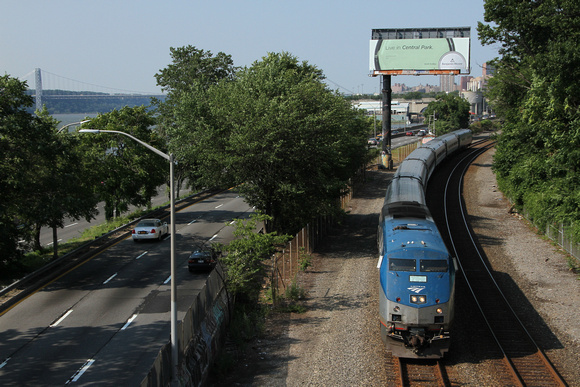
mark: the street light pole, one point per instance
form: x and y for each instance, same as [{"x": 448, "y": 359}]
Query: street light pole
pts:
[
  {"x": 169, "y": 157},
  {"x": 71, "y": 124}
]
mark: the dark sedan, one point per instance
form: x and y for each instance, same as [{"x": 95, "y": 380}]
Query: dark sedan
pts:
[{"x": 202, "y": 260}]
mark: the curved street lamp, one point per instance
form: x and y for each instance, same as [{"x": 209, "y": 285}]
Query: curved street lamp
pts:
[
  {"x": 71, "y": 124},
  {"x": 168, "y": 157}
]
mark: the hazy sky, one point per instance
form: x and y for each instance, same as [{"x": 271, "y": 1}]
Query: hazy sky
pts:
[{"x": 122, "y": 44}]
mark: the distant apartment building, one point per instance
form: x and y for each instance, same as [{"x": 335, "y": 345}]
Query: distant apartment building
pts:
[
  {"x": 447, "y": 83},
  {"x": 464, "y": 81},
  {"x": 399, "y": 88},
  {"x": 425, "y": 88}
]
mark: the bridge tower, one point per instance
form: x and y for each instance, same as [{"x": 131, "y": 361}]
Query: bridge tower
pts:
[{"x": 38, "y": 85}]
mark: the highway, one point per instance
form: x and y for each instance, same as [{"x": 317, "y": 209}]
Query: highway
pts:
[
  {"x": 104, "y": 322},
  {"x": 74, "y": 228}
]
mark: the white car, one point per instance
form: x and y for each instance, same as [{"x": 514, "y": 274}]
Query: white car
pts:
[{"x": 150, "y": 229}]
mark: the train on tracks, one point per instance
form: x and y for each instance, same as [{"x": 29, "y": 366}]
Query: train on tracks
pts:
[{"x": 417, "y": 273}]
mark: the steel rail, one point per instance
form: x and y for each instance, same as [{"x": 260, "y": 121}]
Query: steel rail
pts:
[
  {"x": 516, "y": 371},
  {"x": 413, "y": 372}
]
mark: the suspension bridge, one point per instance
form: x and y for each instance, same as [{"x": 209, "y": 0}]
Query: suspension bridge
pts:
[{"x": 49, "y": 86}]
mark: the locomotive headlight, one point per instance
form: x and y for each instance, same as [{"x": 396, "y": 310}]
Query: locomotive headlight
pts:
[
  {"x": 439, "y": 311},
  {"x": 418, "y": 299}
]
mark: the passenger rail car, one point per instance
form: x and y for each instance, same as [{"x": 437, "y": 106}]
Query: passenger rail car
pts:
[{"x": 417, "y": 274}]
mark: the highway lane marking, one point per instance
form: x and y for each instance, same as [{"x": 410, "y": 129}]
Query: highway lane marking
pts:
[
  {"x": 142, "y": 255},
  {"x": 61, "y": 319},
  {"x": 99, "y": 253},
  {"x": 213, "y": 237},
  {"x": 49, "y": 244},
  {"x": 80, "y": 372},
  {"x": 195, "y": 220},
  {"x": 5, "y": 362},
  {"x": 110, "y": 278},
  {"x": 129, "y": 322},
  {"x": 167, "y": 280},
  {"x": 70, "y": 225},
  {"x": 219, "y": 206}
]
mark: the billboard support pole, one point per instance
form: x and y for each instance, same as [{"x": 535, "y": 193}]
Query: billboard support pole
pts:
[{"x": 387, "y": 122}]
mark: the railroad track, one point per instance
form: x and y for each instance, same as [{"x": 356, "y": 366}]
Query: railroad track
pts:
[
  {"x": 525, "y": 362},
  {"x": 418, "y": 372}
]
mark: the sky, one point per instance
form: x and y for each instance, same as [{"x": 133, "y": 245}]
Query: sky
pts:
[{"x": 122, "y": 44}]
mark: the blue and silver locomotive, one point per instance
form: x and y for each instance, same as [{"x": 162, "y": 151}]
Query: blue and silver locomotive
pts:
[{"x": 417, "y": 274}]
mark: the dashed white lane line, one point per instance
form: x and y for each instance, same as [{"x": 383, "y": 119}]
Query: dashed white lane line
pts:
[
  {"x": 61, "y": 319},
  {"x": 80, "y": 372},
  {"x": 129, "y": 322},
  {"x": 4, "y": 362},
  {"x": 110, "y": 278}
]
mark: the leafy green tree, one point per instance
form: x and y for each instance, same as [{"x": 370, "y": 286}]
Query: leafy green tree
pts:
[
  {"x": 413, "y": 95},
  {"x": 290, "y": 142},
  {"x": 274, "y": 128},
  {"x": 59, "y": 189},
  {"x": 244, "y": 256},
  {"x": 186, "y": 81},
  {"x": 122, "y": 171},
  {"x": 535, "y": 90},
  {"x": 21, "y": 140},
  {"x": 451, "y": 113}
]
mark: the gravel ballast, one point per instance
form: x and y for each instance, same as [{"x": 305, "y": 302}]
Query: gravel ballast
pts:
[{"x": 336, "y": 341}]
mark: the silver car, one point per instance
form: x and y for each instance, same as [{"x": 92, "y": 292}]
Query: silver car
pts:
[{"x": 150, "y": 229}]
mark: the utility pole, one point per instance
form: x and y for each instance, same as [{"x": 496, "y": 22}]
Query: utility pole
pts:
[{"x": 386, "y": 151}]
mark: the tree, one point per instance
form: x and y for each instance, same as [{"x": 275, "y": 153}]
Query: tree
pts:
[
  {"x": 19, "y": 145},
  {"x": 451, "y": 113},
  {"x": 122, "y": 171},
  {"x": 536, "y": 91},
  {"x": 186, "y": 81},
  {"x": 290, "y": 142},
  {"x": 274, "y": 129},
  {"x": 59, "y": 189},
  {"x": 245, "y": 255}
]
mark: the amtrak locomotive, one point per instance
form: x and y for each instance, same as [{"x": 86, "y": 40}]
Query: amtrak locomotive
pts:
[{"x": 417, "y": 274}]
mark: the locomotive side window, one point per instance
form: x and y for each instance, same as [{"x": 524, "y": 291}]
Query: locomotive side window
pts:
[
  {"x": 435, "y": 265},
  {"x": 399, "y": 264}
]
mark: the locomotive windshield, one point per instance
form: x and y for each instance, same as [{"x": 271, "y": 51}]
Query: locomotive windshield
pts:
[
  {"x": 425, "y": 265},
  {"x": 399, "y": 264},
  {"x": 437, "y": 265}
]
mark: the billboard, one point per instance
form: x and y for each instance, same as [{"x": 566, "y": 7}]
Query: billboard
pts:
[{"x": 428, "y": 51}]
